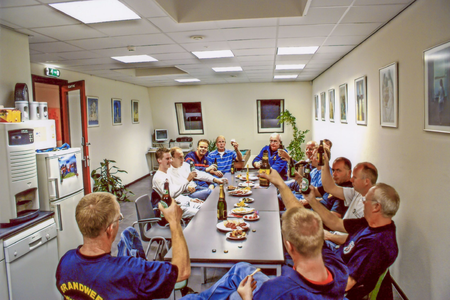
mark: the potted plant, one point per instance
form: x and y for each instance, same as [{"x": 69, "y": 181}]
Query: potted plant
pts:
[
  {"x": 294, "y": 147},
  {"x": 105, "y": 180},
  {"x": 212, "y": 146}
]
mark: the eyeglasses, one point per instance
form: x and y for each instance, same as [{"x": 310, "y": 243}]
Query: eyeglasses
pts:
[
  {"x": 120, "y": 218},
  {"x": 363, "y": 199},
  {"x": 274, "y": 141}
]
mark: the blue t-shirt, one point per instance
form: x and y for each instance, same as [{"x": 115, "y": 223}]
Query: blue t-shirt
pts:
[
  {"x": 275, "y": 162},
  {"x": 200, "y": 163},
  {"x": 108, "y": 277},
  {"x": 368, "y": 251},
  {"x": 224, "y": 162},
  {"x": 292, "y": 285},
  {"x": 333, "y": 203}
]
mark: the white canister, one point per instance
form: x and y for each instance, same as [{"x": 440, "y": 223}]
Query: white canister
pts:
[
  {"x": 34, "y": 110},
  {"x": 43, "y": 111},
  {"x": 23, "y": 107}
]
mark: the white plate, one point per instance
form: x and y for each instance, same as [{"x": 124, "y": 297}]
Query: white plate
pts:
[
  {"x": 236, "y": 205},
  {"x": 233, "y": 193},
  {"x": 247, "y": 217},
  {"x": 244, "y": 177},
  {"x": 235, "y": 238},
  {"x": 242, "y": 210},
  {"x": 222, "y": 227},
  {"x": 250, "y": 200},
  {"x": 246, "y": 184}
]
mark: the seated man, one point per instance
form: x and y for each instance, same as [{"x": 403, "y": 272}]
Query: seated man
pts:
[
  {"x": 309, "y": 150},
  {"x": 275, "y": 161},
  {"x": 199, "y": 158},
  {"x": 90, "y": 272},
  {"x": 317, "y": 274},
  {"x": 165, "y": 162},
  {"x": 224, "y": 156},
  {"x": 180, "y": 172},
  {"x": 371, "y": 246}
]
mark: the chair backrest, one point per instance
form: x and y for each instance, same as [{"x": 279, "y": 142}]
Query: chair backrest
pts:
[
  {"x": 144, "y": 210},
  {"x": 374, "y": 293}
]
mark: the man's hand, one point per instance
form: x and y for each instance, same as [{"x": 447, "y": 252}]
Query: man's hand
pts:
[
  {"x": 312, "y": 194},
  {"x": 327, "y": 235},
  {"x": 191, "y": 189},
  {"x": 246, "y": 288},
  {"x": 257, "y": 164},
  {"x": 217, "y": 173},
  {"x": 211, "y": 168},
  {"x": 235, "y": 145},
  {"x": 273, "y": 177},
  {"x": 284, "y": 155},
  {"x": 192, "y": 175},
  {"x": 218, "y": 181},
  {"x": 172, "y": 214}
]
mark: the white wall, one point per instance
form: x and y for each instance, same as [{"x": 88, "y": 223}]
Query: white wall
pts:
[
  {"x": 415, "y": 162},
  {"x": 230, "y": 109}
]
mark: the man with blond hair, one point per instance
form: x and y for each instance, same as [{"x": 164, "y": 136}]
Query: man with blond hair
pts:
[{"x": 90, "y": 272}]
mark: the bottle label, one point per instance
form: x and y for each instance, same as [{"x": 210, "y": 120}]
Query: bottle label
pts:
[
  {"x": 305, "y": 184},
  {"x": 267, "y": 171}
]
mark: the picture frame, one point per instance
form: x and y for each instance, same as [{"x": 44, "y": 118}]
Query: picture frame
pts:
[
  {"x": 437, "y": 84},
  {"x": 116, "y": 111},
  {"x": 331, "y": 107},
  {"x": 135, "y": 111},
  {"x": 316, "y": 107},
  {"x": 389, "y": 95},
  {"x": 343, "y": 102},
  {"x": 92, "y": 111},
  {"x": 361, "y": 100},
  {"x": 267, "y": 113},
  {"x": 323, "y": 105},
  {"x": 189, "y": 118}
]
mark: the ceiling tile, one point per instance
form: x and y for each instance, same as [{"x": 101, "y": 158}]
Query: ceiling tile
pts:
[
  {"x": 53, "y": 47},
  {"x": 45, "y": 57},
  {"x": 205, "y": 46},
  {"x": 330, "y": 3},
  {"x": 34, "y": 37},
  {"x": 250, "y": 33},
  {"x": 265, "y": 22},
  {"x": 70, "y": 32},
  {"x": 356, "y": 29},
  {"x": 98, "y": 43},
  {"x": 251, "y": 44},
  {"x": 301, "y": 42},
  {"x": 257, "y": 51},
  {"x": 316, "y": 15},
  {"x": 185, "y": 37},
  {"x": 372, "y": 13},
  {"x": 35, "y": 16},
  {"x": 147, "y": 39},
  {"x": 380, "y": 2},
  {"x": 304, "y": 31},
  {"x": 79, "y": 55},
  {"x": 10, "y": 3},
  {"x": 345, "y": 40},
  {"x": 167, "y": 24},
  {"x": 145, "y": 9},
  {"x": 130, "y": 27}
]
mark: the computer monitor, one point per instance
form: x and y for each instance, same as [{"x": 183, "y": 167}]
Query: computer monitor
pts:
[{"x": 161, "y": 135}]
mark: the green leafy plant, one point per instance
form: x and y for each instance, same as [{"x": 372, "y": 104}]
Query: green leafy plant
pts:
[
  {"x": 294, "y": 147},
  {"x": 212, "y": 145},
  {"x": 105, "y": 180}
]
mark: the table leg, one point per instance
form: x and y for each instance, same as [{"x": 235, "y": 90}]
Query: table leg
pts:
[{"x": 203, "y": 271}]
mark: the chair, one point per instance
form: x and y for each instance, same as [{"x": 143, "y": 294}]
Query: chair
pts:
[{"x": 374, "y": 293}]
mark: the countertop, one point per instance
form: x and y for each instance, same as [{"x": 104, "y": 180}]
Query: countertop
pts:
[{"x": 6, "y": 232}]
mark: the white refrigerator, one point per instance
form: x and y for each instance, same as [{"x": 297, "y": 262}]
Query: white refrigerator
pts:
[{"x": 60, "y": 180}]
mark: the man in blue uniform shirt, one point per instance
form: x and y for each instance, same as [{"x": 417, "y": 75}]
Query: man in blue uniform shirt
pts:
[
  {"x": 90, "y": 272},
  {"x": 224, "y": 156},
  {"x": 275, "y": 161},
  {"x": 199, "y": 158}
]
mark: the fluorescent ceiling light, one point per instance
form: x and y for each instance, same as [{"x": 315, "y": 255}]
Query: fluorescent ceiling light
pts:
[
  {"x": 213, "y": 54},
  {"x": 297, "y": 50},
  {"x": 134, "y": 58},
  {"x": 227, "y": 69},
  {"x": 188, "y": 80},
  {"x": 96, "y": 11},
  {"x": 285, "y": 76},
  {"x": 290, "y": 67}
]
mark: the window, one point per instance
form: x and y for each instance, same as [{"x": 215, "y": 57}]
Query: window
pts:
[
  {"x": 189, "y": 117},
  {"x": 268, "y": 111}
]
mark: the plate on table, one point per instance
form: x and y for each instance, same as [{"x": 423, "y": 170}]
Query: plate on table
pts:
[
  {"x": 245, "y": 184},
  {"x": 242, "y": 210},
  {"x": 247, "y": 200},
  {"x": 244, "y": 177},
  {"x": 239, "y": 204},
  {"x": 252, "y": 217},
  {"x": 230, "y": 225},
  {"x": 232, "y": 188},
  {"x": 240, "y": 192},
  {"x": 236, "y": 235}
]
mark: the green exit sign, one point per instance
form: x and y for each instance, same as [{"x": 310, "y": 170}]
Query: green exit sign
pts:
[{"x": 52, "y": 72}]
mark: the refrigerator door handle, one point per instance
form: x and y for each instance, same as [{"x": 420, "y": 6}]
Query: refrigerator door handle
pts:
[
  {"x": 58, "y": 216},
  {"x": 53, "y": 188}
]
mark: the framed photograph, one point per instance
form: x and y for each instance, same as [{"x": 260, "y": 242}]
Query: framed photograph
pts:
[
  {"x": 343, "y": 102},
  {"x": 116, "y": 111},
  {"x": 389, "y": 96},
  {"x": 361, "y": 100},
  {"x": 268, "y": 112},
  {"x": 331, "y": 104},
  {"x": 92, "y": 107},
  {"x": 323, "y": 99},
  {"x": 437, "y": 81},
  {"x": 316, "y": 107},
  {"x": 135, "y": 111}
]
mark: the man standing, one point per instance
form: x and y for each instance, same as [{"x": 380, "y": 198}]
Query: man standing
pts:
[
  {"x": 224, "y": 156},
  {"x": 180, "y": 172},
  {"x": 165, "y": 162},
  {"x": 199, "y": 158},
  {"x": 91, "y": 272},
  {"x": 275, "y": 161}
]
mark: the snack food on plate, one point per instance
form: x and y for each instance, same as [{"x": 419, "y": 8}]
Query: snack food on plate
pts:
[
  {"x": 237, "y": 234},
  {"x": 234, "y": 224},
  {"x": 241, "y": 203},
  {"x": 253, "y": 216},
  {"x": 231, "y": 187}
]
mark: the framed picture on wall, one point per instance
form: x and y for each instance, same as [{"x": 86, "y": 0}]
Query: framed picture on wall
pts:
[
  {"x": 331, "y": 104},
  {"x": 268, "y": 112},
  {"x": 361, "y": 100},
  {"x": 189, "y": 117},
  {"x": 437, "y": 83},
  {"x": 323, "y": 99},
  {"x": 343, "y": 102},
  {"x": 116, "y": 111},
  {"x": 92, "y": 107},
  {"x": 316, "y": 107},
  {"x": 135, "y": 111},
  {"x": 389, "y": 96}
]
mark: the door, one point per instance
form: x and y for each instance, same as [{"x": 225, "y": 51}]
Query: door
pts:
[{"x": 74, "y": 123}]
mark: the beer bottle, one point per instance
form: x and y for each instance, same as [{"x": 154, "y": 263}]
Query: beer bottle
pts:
[
  {"x": 221, "y": 205},
  {"x": 166, "y": 196},
  {"x": 232, "y": 168},
  {"x": 264, "y": 168},
  {"x": 191, "y": 164},
  {"x": 306, "y": 181},
  {"x": 215, "y": 162},
  {"x": 291, "y": 168},
  {"x": 320, "y": 154}
]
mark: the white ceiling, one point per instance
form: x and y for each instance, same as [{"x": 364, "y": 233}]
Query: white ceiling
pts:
[{"x": 336, "y": 26}]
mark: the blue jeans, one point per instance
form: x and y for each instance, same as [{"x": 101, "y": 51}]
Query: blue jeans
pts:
[
  {"x": 201, "y": 193},
  {"x": 226, "y": 287}
]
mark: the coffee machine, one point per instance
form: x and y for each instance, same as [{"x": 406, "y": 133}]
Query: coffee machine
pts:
[{"x": 19, "y": 200}]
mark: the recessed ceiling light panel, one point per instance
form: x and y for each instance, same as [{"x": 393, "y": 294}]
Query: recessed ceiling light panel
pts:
[
  {"x": 188, "y": 80},
  {"x": 213, "y": 54},
  {"x": 297, "y": 50},
  {"x": 293, "y": 76},
  {"x": 96, "y": 11},
  {"x": 134, "y": 58},
  {"x": 227, "y": 69},
  {"x": 290, "y": 67}
]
